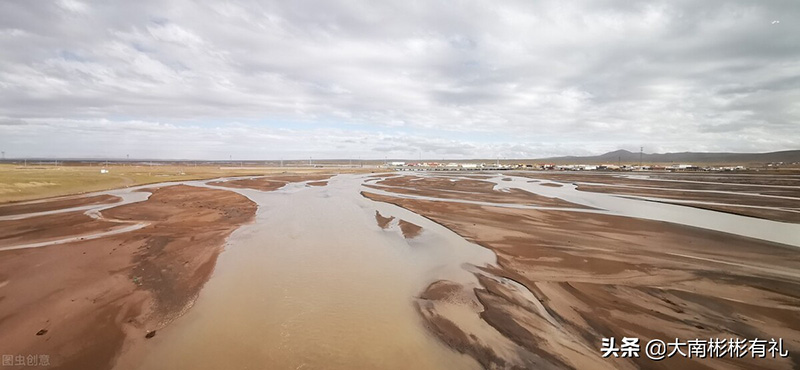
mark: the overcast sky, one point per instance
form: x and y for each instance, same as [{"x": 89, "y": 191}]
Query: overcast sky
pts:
[{"x": 403, "y": 79}]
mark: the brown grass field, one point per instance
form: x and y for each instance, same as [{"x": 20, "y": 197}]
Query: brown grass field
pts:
[{"x": 20, "y": 183}]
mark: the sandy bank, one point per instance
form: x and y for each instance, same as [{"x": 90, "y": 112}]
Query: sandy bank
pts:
[
  {"x": 758, "y": 184},
  {"x": 566, "y": 280},
  {"x": 466, "y": 189},
  {"x": 96, "y": 298},
  {"x": 54, "y": 204},
  {"x": 738, "y": 203},
  {"x": 270, "y": 183},
  {"x": 50, "y": 227},
  {"x": 408, "y": 229}
]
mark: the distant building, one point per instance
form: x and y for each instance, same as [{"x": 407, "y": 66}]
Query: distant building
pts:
[{"x": 684, "y": 167}]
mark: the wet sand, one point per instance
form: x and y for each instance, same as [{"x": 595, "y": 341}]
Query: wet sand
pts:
[
  {"x": 785, "y": 209},
  {"x": 408, "y": 229},
  {"x": 770, "y": 197},
  {"x": 791, "y": 215},
  {"x": 382, "y": 220},
  {"x": 757, "y": 184},
  {"x": 90, "y": 300},
  {"x": 460, "y": 188},
  {"x": 50, "y": 227},
  {"x": 54, "y": 204},
  {"x": 564, "y": 280},
  {"x": 270, "y": 183}
]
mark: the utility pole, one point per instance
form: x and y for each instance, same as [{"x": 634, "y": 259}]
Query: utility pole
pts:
[
  {"x": 641, "y": 149},
  {"x": 4, "y": 155}
]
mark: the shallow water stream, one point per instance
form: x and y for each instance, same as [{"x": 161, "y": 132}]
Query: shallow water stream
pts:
[{"x": 314, "y": 282}]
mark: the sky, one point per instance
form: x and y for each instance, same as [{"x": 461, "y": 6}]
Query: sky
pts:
[{"x": 367, "y": 79}]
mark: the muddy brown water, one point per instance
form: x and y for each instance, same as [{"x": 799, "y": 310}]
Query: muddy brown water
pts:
[{"x": 315, "y": 283}]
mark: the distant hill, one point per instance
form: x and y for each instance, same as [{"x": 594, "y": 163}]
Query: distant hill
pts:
[{"x": 786, "y": 156}]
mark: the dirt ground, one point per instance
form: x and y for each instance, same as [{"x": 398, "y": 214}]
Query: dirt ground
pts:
[
  {"x": 270, "y": 183},
  {"x": 565, "y": 280},
  {"x": 784, "y": 185},
  {"x": 408, "y": 229},
  {"x": 448, "y": 188},
  {"x": 737, "y": 194},
  {"x": 50, "y": 227},
  {"x": 82, "y": 303},
  {"x": 54, "y": 204}
]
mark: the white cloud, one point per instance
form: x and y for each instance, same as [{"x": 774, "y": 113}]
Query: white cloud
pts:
[
  {"x": 514, "y": 78},
  {"x": 73, "y": 6}
]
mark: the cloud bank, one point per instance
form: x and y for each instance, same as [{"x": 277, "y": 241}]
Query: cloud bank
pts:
[{"x": 449, "y": 79}]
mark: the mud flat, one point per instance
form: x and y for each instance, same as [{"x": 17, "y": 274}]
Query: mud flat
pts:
[
  {"x": 766, "y": 184},
  {"x": 270, "y": 183},
  {"x": 566, "y": 279},
  {"x": 50, "y": 227},
  {"x": 452, "y": 187},
  {"x": 55, "y": 204},
  {"x": 82, "y": 303},
  {"x": 770, "y": 197}
]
